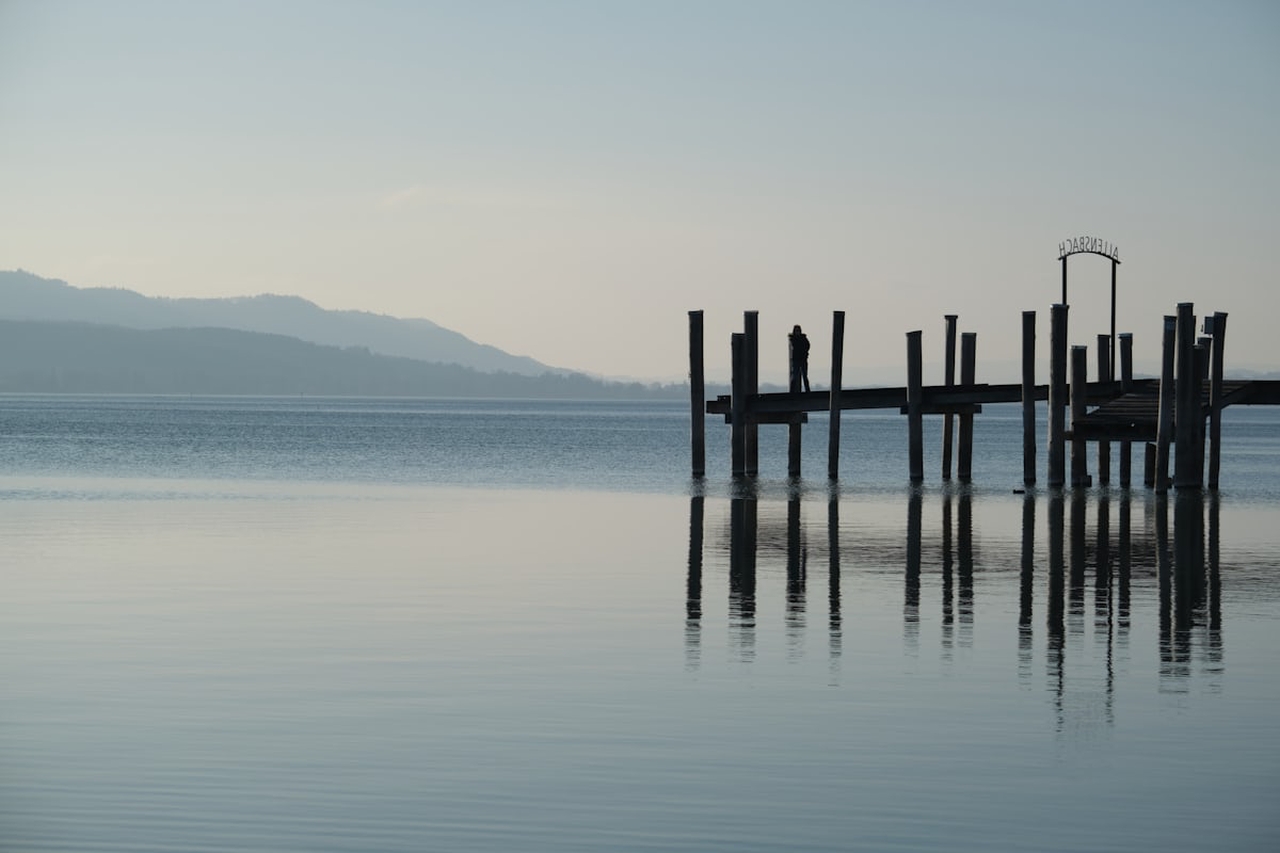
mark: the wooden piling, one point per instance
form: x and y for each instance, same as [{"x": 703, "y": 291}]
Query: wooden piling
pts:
[
  {"x": 793, "y": 428},
  {"x": 1079, "y": 407},
  {"x": 738, "y": 405},
  {"x": 1187, "y": 402},
  {"x": 1126, "y": 385},
  {"x": 837, "y": 380},
  {"x": 968, "y": 376},
  {"x": 1104, "y": 375},
  {"x": 1164, "y": 415},
  {"x": 1058, "y": 391},
  {"x": 1028, "y": 398},
  {"x": 1111, "y": 350},
  {"x": 751, "y": 330},
  {"x": 793, "y": 449},
  {"x": 697, "y": 394},
  {"x": 949, "y": 379},
  {"x": 915, "y": 405},
  {"x": 1215, "y": 396},
  {"x": 1126, "y": 361},
  {"x": 1149, "y": 464},
  {"x": 1202, "y": 348}
]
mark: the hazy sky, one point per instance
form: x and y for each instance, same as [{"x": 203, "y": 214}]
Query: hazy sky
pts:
[{"x": 566, "y": 180}]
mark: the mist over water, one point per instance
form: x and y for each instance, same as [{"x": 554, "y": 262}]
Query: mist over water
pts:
[{"x": 403, "y": 625}]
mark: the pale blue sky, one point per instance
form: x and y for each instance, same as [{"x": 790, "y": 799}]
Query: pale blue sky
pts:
[{"x": 566, "y": 180}]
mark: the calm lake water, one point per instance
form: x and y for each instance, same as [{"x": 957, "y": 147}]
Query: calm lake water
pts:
[{"x": 365, "y": 625}]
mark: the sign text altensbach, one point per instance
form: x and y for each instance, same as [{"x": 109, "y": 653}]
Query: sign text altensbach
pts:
[
  {"x": 1109, "y": 250},
  {"x": 1091, "y": 245}
]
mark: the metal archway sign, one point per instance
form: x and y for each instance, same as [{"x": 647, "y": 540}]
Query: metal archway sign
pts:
[
  {"x": 1089, "y": 245},
  {"x": 1094, "y": 246}
]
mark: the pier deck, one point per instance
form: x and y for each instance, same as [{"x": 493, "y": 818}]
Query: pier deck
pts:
[
  {"x": 937, "y": 399},
  {"x": 1133, "y": 416},
  {"x": 1162, "y": 413},
  {"x": 1119, "y": 416}
]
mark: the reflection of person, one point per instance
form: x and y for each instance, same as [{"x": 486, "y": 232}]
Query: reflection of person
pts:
[{"x": 799, "y": 359}]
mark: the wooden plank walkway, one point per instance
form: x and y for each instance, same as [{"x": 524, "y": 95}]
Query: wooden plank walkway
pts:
[
  {"x": 1134, "y": 416},
  {"x": 938, "y": 399},
  {"x": 1119, "y": 416}
]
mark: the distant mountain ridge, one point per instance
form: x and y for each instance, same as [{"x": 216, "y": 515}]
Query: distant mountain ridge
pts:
[
  {"x": 26, "y": 296},
  {"x": 40, "y": 356}
]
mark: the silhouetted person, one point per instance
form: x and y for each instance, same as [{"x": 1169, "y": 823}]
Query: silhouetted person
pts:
[{"x": 799, "y": 359}]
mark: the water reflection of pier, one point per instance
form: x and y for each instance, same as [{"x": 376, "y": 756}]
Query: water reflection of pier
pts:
[{"x": 1082, "y": 577}]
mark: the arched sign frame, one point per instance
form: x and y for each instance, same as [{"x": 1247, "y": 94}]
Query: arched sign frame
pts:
[{"x": 1105, "y": 248}]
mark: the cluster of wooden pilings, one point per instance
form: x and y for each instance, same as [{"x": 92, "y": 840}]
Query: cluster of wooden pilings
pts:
[
  {"x": 1127, "y": 411},
  {"x": 1174, "y": 416},
  {"x": 1187, "y": 362}
]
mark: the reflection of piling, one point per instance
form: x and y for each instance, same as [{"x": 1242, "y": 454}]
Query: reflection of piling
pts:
[
  {"x": 1102, "y": 555},
  {"x": 697, "y": 393},
  {"x": 1077, "y": 565},
  {"x": 948, "y": 575},
  {"x": 964, "y": 542},
  {"x": 1088, "y": 587},
  {"x": 1057, "y": 394},
  {"x": 833, "y": 575},
  {"x": 1103, "y": 622},
  {"x": 1026, "y": 583},
  {"x": 1182, "y": 587},
  {"x": 911, "y": 584},
  {"x": 1169, "y": 670},
  {"x": 693, "y": 585},
  {"x": 1055, "y": 647},
  {"x": 742, "y": 571},
  {"x": 1214, "y": 650},
  {"x": 1028, "y": 397},
  {"x": 796, "y": 572},
  {"x": 1125, "y": 558},
  {"x": 1188, "y": 559}
]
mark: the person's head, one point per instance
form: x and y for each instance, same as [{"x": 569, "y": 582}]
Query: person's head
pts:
[{"x": 796, "y": 330}]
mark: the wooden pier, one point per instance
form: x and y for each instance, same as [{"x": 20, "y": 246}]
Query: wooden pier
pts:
[
  {"x": 1158, "y": 413},
  {"x": 1133, "y": 416}
]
